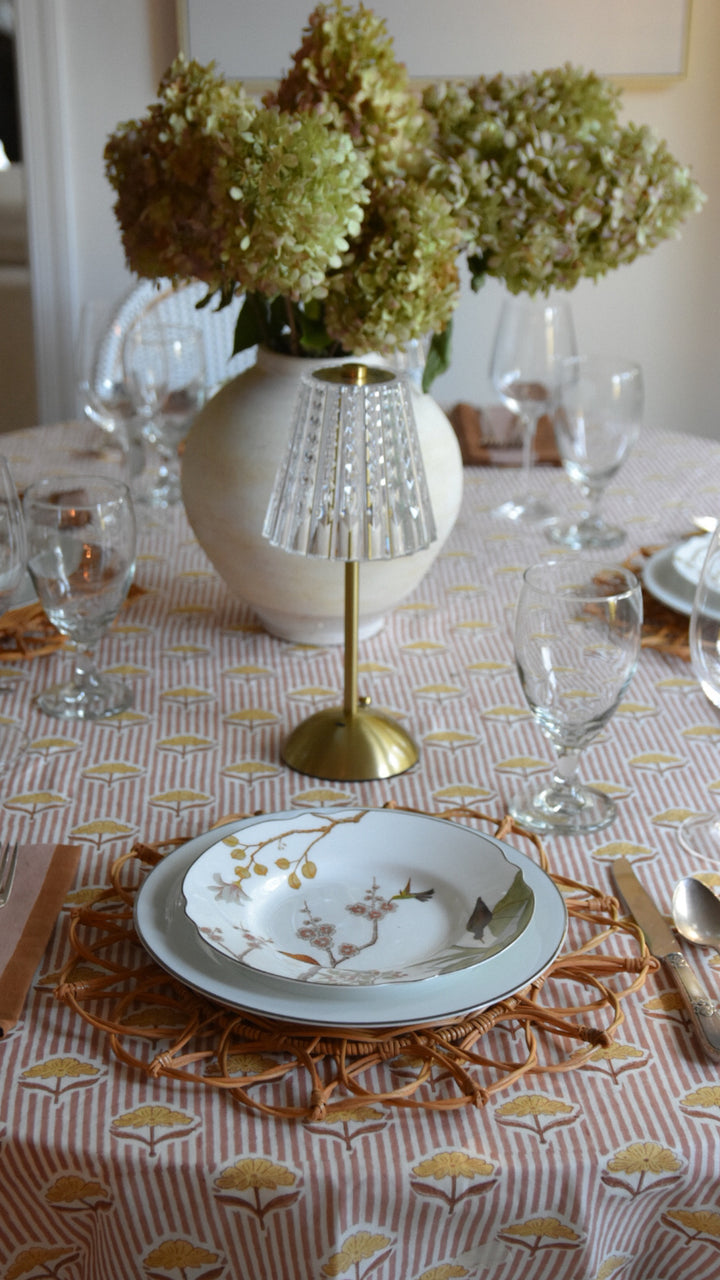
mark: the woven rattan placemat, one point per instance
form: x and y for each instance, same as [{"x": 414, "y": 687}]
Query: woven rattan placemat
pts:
[{"x": 157, "y": 1025}]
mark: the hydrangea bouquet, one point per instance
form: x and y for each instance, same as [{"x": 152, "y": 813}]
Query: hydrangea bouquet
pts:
[{"x": 341, "y": 206}]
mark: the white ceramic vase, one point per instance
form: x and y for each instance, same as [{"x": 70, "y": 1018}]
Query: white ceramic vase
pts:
[{"x": 229, "y": 463}]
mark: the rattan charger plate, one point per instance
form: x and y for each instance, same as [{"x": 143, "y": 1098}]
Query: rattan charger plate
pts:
[{"x": 155, "y": 1024}]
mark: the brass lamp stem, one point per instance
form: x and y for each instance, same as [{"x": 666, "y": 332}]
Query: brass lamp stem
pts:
[{"x": 352, "y": 612}]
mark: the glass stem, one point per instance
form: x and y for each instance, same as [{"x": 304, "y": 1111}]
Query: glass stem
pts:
[
  {"x": 566, "y": 770},
  {"x": 594, "y": 496},
  {"x": 85, "y": 668},
  {"x": 528, "y": 422}
]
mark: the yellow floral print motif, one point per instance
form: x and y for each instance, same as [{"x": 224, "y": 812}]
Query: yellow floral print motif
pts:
[
  {"x": 153, "y": 1118},
  {"x": 67, "y": 1074},
  {"x": 249, "y": 771},
  {"x": 446, "y": 1271},
  {"x": 694, "y": 1223},
  {"x": 180, "y": 800},
  {"x": 185, "y": 744},
  {"x": 543, "y": 1113},
  {"x": 453, "y": 1165},
  {"x": 356, "y": 1249},
  {"x": 41, "y": 1256},
  {"x": 33, "y": 802},
  {"x": 182, "y": 1256},
  {"x": 641, "y": 1160},
  {"x": 110, "y": 771},
  {"x": 101, "y": 831},
  {"x": 535, "y": 1230},
  {"x": 73, "y": 1189},
  {"x": 450, "y": 739},
  {"x": 354, "y": 1122},
  {"x": 613, "y": 1060},
  {"x": 244, "y": 1064},
  {"x": 256, "y": 1174},
  {"x": 702, "y": 1101},
  {"x": 320, "y": 796},
  {"x": 611, "y": 1266}
]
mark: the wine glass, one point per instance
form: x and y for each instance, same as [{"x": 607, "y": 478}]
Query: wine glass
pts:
[
  {"x": 81, "y": 557},
  {"x": 104, "y": 396},
  {"x": 532, "y": 335},
  {"x": 598, "y": 410},
  {"x": 13, "y": 559},
  {"x": 577, "y": 641},
  {"x": 165, "y": 373},
  {"x": 701, "y": 836}
]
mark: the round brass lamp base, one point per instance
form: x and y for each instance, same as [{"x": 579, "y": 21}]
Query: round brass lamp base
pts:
[{"x": 355, "y": 747}]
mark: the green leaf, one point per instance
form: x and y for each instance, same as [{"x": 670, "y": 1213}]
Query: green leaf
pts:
[
  {"x": 478, "y": 271},
  {"x": 438, "y": 357},
  {"x": 313, "y": 334},
  {"x": 251, "y": 327}
]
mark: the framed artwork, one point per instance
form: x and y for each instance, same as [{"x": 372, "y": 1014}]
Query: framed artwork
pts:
[{"x": 626, "y": 39}]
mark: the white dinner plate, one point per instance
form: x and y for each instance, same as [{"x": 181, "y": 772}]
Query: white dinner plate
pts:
[
  {"x": 356, "y": 897},
  {"x": 663, "y": 581},
  {"x": 170, "y": 937},
  {"x": 689, "y": 557}
]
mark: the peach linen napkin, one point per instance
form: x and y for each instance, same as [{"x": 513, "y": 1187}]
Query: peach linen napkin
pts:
[
  {"x": 490, "y": 437},
  {"x": 43, "y": 876}
]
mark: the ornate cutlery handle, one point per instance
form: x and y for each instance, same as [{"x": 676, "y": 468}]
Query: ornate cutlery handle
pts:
[{"x": 704, "y": 1012}]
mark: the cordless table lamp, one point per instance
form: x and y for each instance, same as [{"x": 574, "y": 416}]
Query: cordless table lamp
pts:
[{"x": 351, "y": 487}]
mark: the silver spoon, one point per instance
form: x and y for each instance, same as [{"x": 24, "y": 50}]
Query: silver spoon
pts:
[{"x": 696, "y": 912}]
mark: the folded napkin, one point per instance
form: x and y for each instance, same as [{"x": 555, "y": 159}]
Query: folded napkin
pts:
[
  {"x": 491, "y": 437},
  {"x": 43, "y": 876}
]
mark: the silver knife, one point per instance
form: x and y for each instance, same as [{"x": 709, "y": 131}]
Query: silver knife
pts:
[{"x": 662, "y": 943}]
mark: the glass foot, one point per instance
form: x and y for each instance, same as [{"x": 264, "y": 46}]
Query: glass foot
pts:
[
  {"x": 13, "y": 741},
  {"x": 159, "y": 495},
  {"x": 525, "y": 510},
  {"x": 701, "y": 837},
  {"x": 585, "y": 534},
  {"x": 92, "y": 700},
  {"x": 570, "y": 811}
]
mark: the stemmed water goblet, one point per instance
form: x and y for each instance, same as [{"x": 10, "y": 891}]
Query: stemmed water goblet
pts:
[
  {"x": 597, "y": 416},
  {"x": 165, "y": 374},
  {"x": 700, "y": 836},
  {"x": 81, "y": 557},
  {"x": 102, "y": 389},
  {"x": 577, "y": 641},
  {"x": 532, "y": 336},
  {"x": 13, "y": 559}
]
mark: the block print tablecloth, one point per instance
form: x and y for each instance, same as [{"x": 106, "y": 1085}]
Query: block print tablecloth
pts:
[{"x": 607, "y": 1170}]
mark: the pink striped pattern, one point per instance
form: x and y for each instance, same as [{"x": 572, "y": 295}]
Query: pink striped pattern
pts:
[{"x": 617, "y": 1171}]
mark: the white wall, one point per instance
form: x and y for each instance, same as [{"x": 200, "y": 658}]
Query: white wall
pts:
[
  {"x": 84, "y": 66},
  {"x": 663, "y": 310}
]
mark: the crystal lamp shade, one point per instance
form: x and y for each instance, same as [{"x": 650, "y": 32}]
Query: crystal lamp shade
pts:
[{"x": 352, "y": 483}]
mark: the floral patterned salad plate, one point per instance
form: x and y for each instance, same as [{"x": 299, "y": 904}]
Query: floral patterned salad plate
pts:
[{"x": 356, "y": 897}]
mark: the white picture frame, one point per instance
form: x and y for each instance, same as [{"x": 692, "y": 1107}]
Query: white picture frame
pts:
[{"x": 628, "y": 40}]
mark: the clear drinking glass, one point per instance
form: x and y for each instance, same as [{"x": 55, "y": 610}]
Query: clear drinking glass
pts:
[
  {"x": 701, "y": 836},
  {"x": 81, "y": 557},
  {"x": 577, "y": 641},
  {"x": 598, "y": 412},
  {"x": 13, "y": 560},
  {"x": 532, "y": 335},
  {"x": 165, "y": 374}
]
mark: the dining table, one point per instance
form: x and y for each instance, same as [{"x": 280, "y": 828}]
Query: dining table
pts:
[{"x": 151, "y": 1127}]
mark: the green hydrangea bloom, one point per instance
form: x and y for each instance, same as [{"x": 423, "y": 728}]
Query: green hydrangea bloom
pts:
[
  {"x": 401, "y": 279},
  {"x": 548, "y": 184},
  {"x": 213, "y": 187},
  {"x": 346, "y": 64}
]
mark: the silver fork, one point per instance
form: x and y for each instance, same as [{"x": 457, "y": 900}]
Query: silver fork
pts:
[{"x": 8, "y": 862}]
